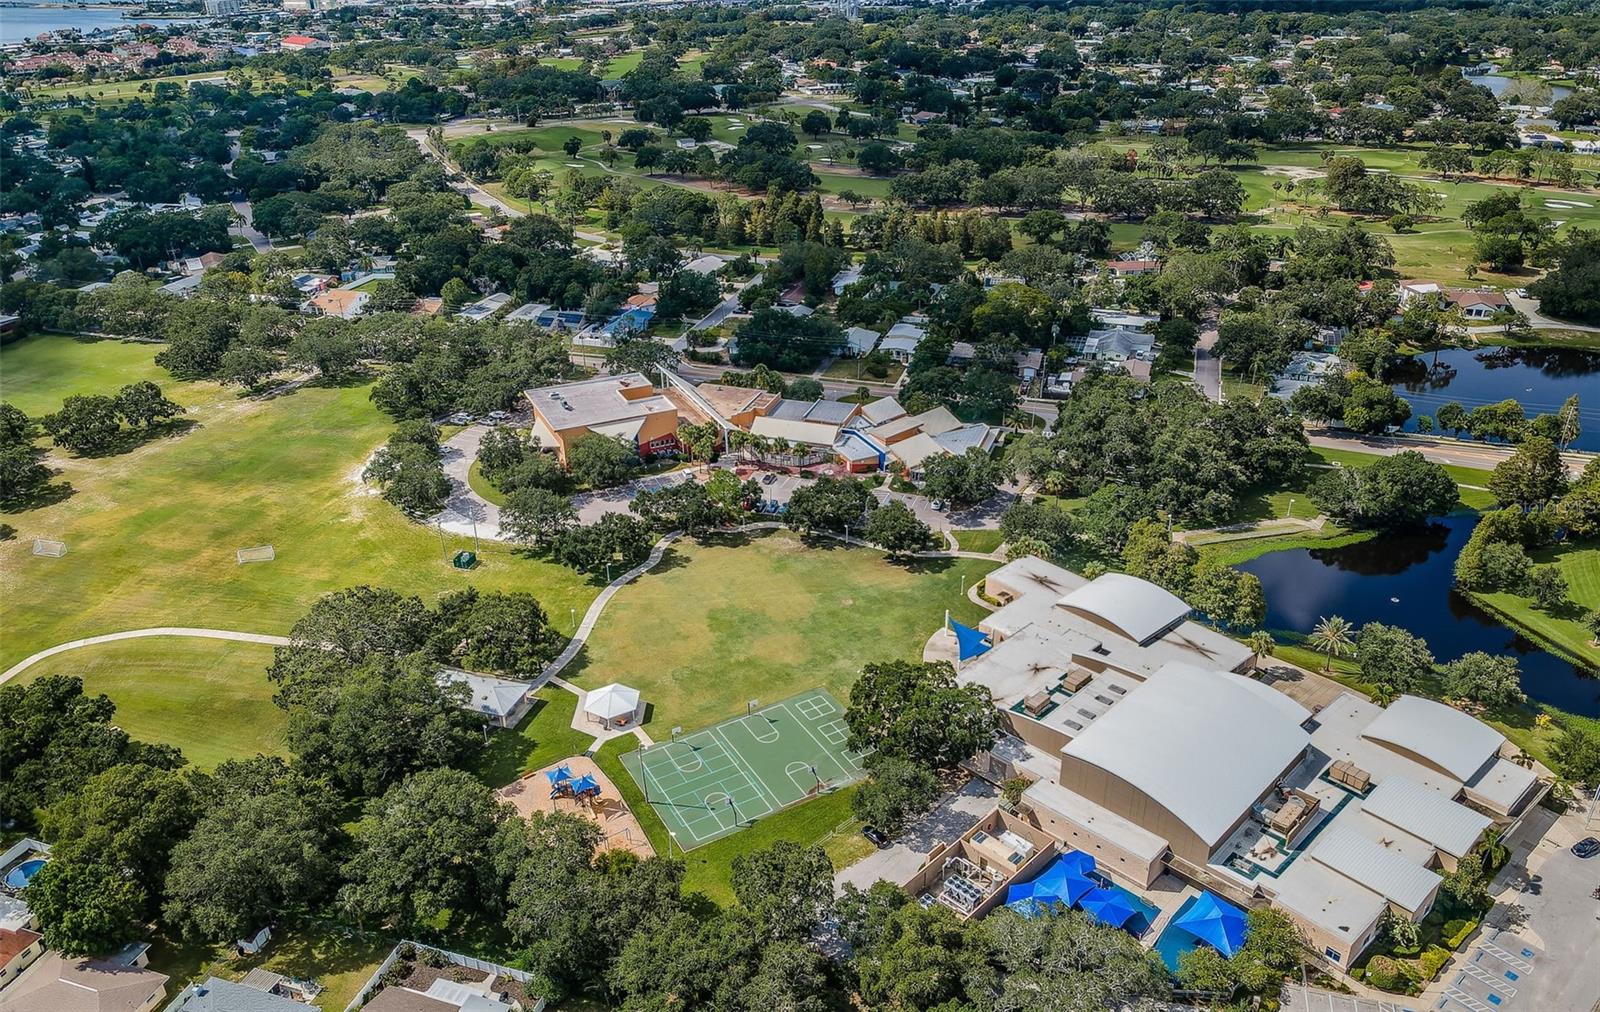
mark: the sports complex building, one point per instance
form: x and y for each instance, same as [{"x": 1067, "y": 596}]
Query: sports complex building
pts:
[{"x": 1152, "y": 750}]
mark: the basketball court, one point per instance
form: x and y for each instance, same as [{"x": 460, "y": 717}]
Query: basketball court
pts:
[{"x": 707, "y": 784}]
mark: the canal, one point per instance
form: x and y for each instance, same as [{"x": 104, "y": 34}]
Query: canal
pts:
[{"x": 1408, "y": 580}]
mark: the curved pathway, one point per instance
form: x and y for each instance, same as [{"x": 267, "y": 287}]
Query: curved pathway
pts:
[{"x": 133, "y": 634}]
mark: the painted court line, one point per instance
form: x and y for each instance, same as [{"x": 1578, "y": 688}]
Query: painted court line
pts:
[{"x": 748, "y": 770}]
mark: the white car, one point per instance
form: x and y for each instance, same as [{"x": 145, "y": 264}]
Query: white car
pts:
[
  {"x": 499, "y": 416},
  {"x": 460, "y": 418}
]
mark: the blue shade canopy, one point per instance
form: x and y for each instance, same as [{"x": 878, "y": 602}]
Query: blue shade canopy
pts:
[
  {"x": 1058, "y": 883},
  {"x": 559, "y": 775},
  {"x": 1028, "y": 907},
  {"x": 1215, "y": 921},
  {"x": 970, "y": 642},
  {"x": 585, "y": 783},
  {"x": 1078, "y": 862},
  {"x": 1108, "y": 906}
]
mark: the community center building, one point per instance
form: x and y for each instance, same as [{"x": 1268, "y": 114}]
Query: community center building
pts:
[
  {"x": 625, "y": 406},
  {"x": 1152, "y": 750}
]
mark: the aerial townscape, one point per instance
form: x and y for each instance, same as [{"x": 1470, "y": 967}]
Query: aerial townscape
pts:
[{"x": 799, "y": 506}]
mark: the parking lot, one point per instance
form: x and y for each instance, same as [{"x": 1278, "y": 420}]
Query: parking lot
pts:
[{"x": 1496, "y": 972}]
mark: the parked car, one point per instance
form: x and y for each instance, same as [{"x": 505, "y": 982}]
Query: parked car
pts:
[
  {"x": 770, "y": 506},
  {"x": 499, "y": 416},
  {"x": 768, "y": 478},
  {"x": 1586, "y": 847},
  {"x": 783, "y": 509},
  {"x": 875, "y": 837},
  {"x": 939, "y": 505},
  {"x": 460, "y": 418}
]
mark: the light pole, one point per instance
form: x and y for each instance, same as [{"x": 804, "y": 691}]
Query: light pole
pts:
[{"x": 1290, "y": 511}]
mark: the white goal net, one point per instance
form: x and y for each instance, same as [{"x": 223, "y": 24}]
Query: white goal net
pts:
[
  {"x": 261, "y": 553},
  {"x": 48, "y": 548}
]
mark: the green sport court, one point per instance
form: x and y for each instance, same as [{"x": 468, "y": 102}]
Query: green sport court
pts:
[{"x": 713, "y": 782}]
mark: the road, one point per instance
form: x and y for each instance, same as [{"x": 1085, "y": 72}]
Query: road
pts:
[
  {"x": 246, "y": 229},
  {"x": 1481, "y": 456},
  {"x": 1207, "y": 367}
]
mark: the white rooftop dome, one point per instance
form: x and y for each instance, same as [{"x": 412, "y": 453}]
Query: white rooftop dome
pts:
[{"x": 1439, "y": 735}]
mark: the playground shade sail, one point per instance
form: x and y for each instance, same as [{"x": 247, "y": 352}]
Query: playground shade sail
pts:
[
  {"x": 1060, "y": 882},
  {"x": 970, "y": 642},
  {"x": 1108, "y": 906},
  {"x": 1216, "y": 922}
]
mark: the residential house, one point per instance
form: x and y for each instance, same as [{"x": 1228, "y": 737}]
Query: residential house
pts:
[
  {"x": 902, "y": 340},
  {"x": 484, "y": 307},
  {"x": 1133, "y": 268},
  {"x": 340, "y": 302},
  {"x": 1118, "y": 345},
  {"x": 625, "y": 406},
  {"x": 859, "y": 342},
  {"x": 217, "y": 995},
  {"x": 1477, "y": 305},
  {"x": 57, "y": 983}
]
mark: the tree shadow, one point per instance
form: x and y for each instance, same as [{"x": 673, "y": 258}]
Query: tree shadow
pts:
[
  {"x": 342, "y": 381},
  {"x": 129, "y": 439},
  {"x": 50, "y": 494}
]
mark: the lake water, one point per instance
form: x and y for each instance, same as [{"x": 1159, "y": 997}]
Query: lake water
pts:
[
  {"x": 1497, "y": 85},
  {"x": 19, "y": 23},
  {"x": 1540, "y": 379},
  {"x": 1407, "y": 580}
]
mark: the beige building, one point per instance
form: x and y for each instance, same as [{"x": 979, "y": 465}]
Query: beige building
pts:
[
  {"x": 624, "y": 407},
  {"x": 1152, "y": 749},
  {"x": 970, "y": 874}
]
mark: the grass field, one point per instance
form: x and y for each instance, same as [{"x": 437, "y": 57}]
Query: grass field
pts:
[
  {"x": 716, "y": 781},
  {"x": 768, "y": 617},
  {"x": 979, "y": 541},
  {"x": 209, "y": 698},
  {"x": 34, "y": 370},
  {"x": 151, "y": 534},
  {"x": 544, "y": 736},
  {"x": 1580, "y": 564}
]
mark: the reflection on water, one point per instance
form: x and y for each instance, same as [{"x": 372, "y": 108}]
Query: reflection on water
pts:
[
  {"x": 1408, "y": 580},
  {"x": 1540, "y": 379}
]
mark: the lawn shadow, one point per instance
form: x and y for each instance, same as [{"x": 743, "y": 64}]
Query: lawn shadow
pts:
[
  {"x": 342, "y": 381},
  {"x": 46, "y": 495},
  {"x": 129, "y": 439}
]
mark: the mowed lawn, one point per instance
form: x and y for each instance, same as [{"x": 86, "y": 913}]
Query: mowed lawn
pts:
[
  {"x": 37, "y": 372},
  {"x": 766, "y": 617},
  {"x": 1580, "y": 564},
  {"x": 151, "y": 534},
  {"x": 209, "y": 698}
]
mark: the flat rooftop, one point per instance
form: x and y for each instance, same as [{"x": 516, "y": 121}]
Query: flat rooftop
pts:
[{"x": 597, "y": 401}]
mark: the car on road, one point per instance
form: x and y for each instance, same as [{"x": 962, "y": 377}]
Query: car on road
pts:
[
  {"x": 1586, "y": 847},
  {"x": 875, "y": 837}
]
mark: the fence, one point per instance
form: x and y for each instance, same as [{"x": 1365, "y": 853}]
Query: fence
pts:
[{"x": 469, "y": 962}]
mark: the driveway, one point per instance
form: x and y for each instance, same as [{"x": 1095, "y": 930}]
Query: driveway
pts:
[
  {"x": 591, "y": 506},
  {"x": 466, "y": 512},
  {"x": 921, "y": 505},
  {"x": 955, "y": 814}
]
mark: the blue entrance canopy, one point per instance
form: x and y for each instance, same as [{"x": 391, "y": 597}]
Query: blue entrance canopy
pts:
[
  {"x": 1108, "y": 906},
  {"x": 970, "y": 642},
  {"x": 1215, "y": 921},
  {"x": 559, "y": 775}
]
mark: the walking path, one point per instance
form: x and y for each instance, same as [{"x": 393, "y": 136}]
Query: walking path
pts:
[{"x": 133, "y": 634}]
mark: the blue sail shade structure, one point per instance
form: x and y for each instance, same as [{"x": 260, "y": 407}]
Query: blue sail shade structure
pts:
[
  {"x": 970, "y": 642},
  {"x": 1216, "y": 922},
  {"x": 1065, "y": 880},
  {"x": 1108, "y": 906},
  {"x": 558, "y": 776},
  {"x": 585, "y": 784}
]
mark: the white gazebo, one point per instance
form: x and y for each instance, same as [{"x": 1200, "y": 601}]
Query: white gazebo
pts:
[{"x": 613, "y": 705}]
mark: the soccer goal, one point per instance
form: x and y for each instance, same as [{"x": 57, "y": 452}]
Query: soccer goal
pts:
[
  {"x": 260, "y": 553},
  {"x": 48, "y": 548}
]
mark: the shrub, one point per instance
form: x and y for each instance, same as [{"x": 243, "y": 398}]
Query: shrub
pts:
[
  {"x": 1456, "y": 931},
  {"x": 1432, "y": 961},
  {"x": 1391, "y": 975}
]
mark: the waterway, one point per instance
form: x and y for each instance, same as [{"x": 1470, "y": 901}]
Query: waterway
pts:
[
  {"x": 1498, "y": 83},
  {"x": 1408, "y": 580},
  {"x": 20, "y": 23},
  {"x": 1540, "y": 379}
]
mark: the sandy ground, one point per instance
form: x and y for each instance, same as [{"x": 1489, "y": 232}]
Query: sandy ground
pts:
[{"x": 622, "y": 831}]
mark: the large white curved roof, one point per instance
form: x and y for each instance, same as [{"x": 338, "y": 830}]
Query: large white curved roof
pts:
[
  {"x": 1449, "y": 739},
  {"x": 1137, "y": 608},
  {"x": 1204, "y": 744}
]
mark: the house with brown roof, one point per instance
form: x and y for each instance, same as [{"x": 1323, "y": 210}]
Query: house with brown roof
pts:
[
  {"x": 1477, "y": 305},
  {"x": 57, "y": 983},
  {"x": 339, "y": 302},
  {"x": 19, "y": 949}
]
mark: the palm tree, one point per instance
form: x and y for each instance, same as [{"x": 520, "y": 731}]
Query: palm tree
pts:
[
  {"x": 1383, "y": 694},
  {"x": 1492, "y": 849},
  {"x": 1261, "y": 644},
  {"x": 1332, "y": 636}
]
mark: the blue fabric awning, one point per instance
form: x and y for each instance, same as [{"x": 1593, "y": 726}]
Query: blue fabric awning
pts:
[
  {"x": 585, "y": 783},
  {"x": 1216, "y": 922},
  {"x": 1108, "y": 906},
  {"x": 1058, "y": 883},
  {"x": 1078, "y": 862},
  {"x": 970, "y": 642},
  {"x": 559, "y": 775}
]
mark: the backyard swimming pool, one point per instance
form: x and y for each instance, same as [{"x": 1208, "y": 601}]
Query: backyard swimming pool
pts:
[{"x": 22, "y": 874}]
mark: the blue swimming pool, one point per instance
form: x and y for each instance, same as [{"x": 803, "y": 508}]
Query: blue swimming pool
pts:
[
  {"x": 22, "y": 874},
  {"x": 1174, "y": 942}
]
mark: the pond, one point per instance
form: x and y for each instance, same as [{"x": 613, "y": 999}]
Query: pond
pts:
[
  {"x": 1407, "y": 580},
  {"x": 1540, "y": 379},
  {"x": 1498, "y": 83}
]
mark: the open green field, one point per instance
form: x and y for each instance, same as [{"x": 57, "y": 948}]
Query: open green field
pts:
[
  {"x": 1580, "y": 564},
  {"x": 619, "y": 65},
  {"x": 34, "y": 371},
  {"x": 766, "y": 617},
  {"x": 209, "y": 698},
  {"x": 121, "y": 91},
  {"x": 151, "y": 534}
]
